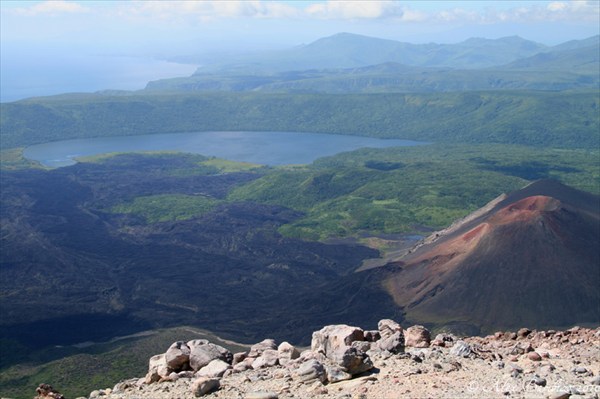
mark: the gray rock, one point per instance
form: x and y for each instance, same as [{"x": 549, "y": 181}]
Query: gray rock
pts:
[
  {"x": 352, "y": 360},
  {"x": 268, "y": 358},
  {"x": 311, "y": 370},
  {"x": 388, "y": 327},
  {"x": 201, "y": 355},
  {"x": 580, "y": 370},
  {"x": 216, "y": 368},
  {"x": 178, "y": 356},
  {"x": 287, "y": 352},
  {"x": 461, "y": 349},
  {"x": 204, "y": 385},
  {"x": 417, "y": 337},
  {"x": 362, "y": 346},
  {"x": 595, "y": 380},
  {"x": 393, "y": 343},
  {"x": 336, "y": 374},
  {"x": 331, "y": 338},
  {"x": 257, "y": 349}
]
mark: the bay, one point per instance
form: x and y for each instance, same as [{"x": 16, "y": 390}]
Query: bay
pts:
[{"x": 266, "y": 148}]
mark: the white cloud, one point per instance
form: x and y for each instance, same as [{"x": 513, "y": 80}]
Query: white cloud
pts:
[
  {"x": 570, "y": 10},
  {"x": 557, "y": 6},
  {"x": 206, "y": 9},
  {"x": 52, "y": 7},
  {"x": 356, "y": 9}
]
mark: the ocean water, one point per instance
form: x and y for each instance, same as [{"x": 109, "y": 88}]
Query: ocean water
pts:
[{"x": 24, "y": 77}]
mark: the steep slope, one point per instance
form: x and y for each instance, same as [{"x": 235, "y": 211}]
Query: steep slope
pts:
[{"x": 531, "y": 257}]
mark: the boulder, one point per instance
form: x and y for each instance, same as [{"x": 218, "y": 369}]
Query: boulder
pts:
[
  {"x": 214, "y": 369},
  {"x": 286, "y": 353},
  {"x": 461, "y": 349},
  {"x": 417, "y": 337},
  {"x": 342, "y": 345},
  {"x": 334, "y": 337},
  {"x": 204, "y": 385},
  {"x": 392, "y": 343},
  {"x": 311, "y": 370},
  {"x": 157, "y": 369},
  {"x": 268, "y": 358},
  {"x": 257, "y": 349},
  {"x": 388, "y": 327},
  {"x": 202, "y": 354},
  {"x": 178, "y": 356},
  {"x": 353, "y": 360}
]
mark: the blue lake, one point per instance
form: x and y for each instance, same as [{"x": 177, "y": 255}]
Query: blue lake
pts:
[{"x": 267, "y": 148}]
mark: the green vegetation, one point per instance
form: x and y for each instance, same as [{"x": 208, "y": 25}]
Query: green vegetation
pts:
[
  {"x": 551, "y": 119},
  {"x": 417, "y": 187},
  {"x": 381, "y": 191},
  {"x": 78, "y": 371},
  {"x": 13, "y": 158},
  {"x": 161, "y": 208}
]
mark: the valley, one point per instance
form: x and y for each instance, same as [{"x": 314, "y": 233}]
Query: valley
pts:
[{"x": 117, "y": 254}]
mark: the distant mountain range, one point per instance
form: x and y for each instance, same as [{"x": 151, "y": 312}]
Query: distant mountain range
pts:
[
  {"x": 353, "y": 63},
  {"x": 531, "y": 257}
]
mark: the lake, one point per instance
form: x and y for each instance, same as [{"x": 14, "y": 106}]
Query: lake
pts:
[{"x": 267, "y": 148}]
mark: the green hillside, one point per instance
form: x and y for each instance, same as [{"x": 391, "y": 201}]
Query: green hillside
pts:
[{"x": 564, "y": 119}]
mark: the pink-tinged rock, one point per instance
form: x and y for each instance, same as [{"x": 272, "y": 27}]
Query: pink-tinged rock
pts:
[
  {"x": 417, "y": 337},
  {"x": 534, "y": 356}
]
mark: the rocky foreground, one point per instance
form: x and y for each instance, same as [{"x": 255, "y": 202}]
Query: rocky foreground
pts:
[{"x": 391, "y": 362}]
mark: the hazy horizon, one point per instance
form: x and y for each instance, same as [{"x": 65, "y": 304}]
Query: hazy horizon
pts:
[{"x": 52, "y": 47}]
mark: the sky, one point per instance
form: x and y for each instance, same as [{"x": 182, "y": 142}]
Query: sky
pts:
[{"x": 50, "y": 47}]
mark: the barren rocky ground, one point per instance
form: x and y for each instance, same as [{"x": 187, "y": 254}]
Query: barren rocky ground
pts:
[{"x": 391, "y": 362}]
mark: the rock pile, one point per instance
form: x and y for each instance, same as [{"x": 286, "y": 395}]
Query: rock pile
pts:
[{"x": 390, "y": 362}]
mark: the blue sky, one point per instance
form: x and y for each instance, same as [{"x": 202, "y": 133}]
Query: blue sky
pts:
[{"x": 38, "y": 37}]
